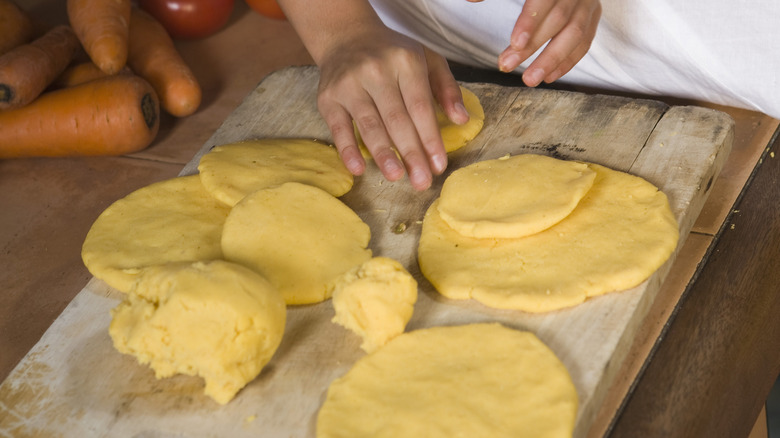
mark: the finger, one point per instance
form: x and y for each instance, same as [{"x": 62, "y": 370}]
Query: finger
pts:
[
  {"x": 575, "y": 56},
  {"x": 537, "y": 24},
  {"x": 403, "y": 129},
  {"x": 564, "y": 50},
  {"x": 445, "y": 88},
  {"x": 340, "y": 124}
]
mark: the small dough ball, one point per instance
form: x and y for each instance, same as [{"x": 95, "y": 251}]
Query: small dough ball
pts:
[
  {"x": 220, "y": 321},
  {"x": 375, "y": 301},
  {"x": 175, "y": 220},
  {"x": 297, "y": 236},
  {"x": 453, "y": 136},
  {"x": 477, "y": 380},
  {"x": 233, "y": 171},
  {"x": 513, "y": 196}
]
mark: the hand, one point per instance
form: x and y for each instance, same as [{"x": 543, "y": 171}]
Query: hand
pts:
[
  {"x": 387, "y": 83},
  {"x": 568, "y": 25}
]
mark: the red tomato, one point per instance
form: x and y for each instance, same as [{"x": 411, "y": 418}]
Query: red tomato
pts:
[
  {"x": 268, "y": 8},
  {"x": 189, "y": 19}
]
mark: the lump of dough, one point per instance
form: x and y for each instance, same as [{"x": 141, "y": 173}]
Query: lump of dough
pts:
[
  {"x": 218, "y": 320},
  {"x": 478, "y": 380},
  {"x": 297, "y": 236},
  {"x": 375, "y": 301},
  {"x": 233, "y": 171},
  {"x": 621, "y": 232},
  {"x": 513, "y": 196},
  {"x": 175, "y": 220},
  {"x": 453, "y": 136}
]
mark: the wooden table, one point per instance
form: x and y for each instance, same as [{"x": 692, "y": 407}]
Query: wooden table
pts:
[{"x": 706, "y": 361}]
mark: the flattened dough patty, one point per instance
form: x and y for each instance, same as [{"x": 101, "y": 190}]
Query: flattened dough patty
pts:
[
  {"x": 619, "y": 234},
  {"x": 297, "y": 236},
  {"x": 514, "y": 196},
  {"x": 175, "y": 220},
  {"x": 235, "y": 170},
  {"x": 479, "y": 380}
]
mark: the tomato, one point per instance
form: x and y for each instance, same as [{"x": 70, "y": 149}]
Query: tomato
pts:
[
  {"x": 189, "y": 19},
  {"x": 268, "y": 8}
]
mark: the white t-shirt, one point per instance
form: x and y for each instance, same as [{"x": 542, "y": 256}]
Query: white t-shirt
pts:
[{"x": 722, "y": 51}]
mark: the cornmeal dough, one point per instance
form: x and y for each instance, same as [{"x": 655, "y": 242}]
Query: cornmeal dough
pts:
[
  {"x": 453, "y": 136},
  {"x": 297, "y": 236},
  {"x": 217, "y": 320},
  {"x": 619, "y": 234},
  {"x": 513, "y": 196},
  {"x": 375, "y": 301},
  {"x": 233, "y": 171},
  {"x": 175, "y": 220},
  {"x": 479, "y": 380}
]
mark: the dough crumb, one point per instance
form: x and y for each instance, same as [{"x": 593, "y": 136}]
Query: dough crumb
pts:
[{"x": 375, "y": 301}]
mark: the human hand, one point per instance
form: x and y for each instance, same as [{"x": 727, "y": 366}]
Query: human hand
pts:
[
  {"x": 568, "y": 25},
  {"x": 386, "y": 83}
]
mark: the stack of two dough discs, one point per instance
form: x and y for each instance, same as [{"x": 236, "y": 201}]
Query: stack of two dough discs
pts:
[{"x": 537, "y": 234}]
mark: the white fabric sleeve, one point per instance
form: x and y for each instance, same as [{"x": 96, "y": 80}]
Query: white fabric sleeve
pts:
[{"x": 721, "y": 51}]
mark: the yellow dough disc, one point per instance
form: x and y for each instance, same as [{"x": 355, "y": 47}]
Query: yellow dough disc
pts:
[
  {"x": 175, "y": 220},
  {"x": 456, "y": 136},
  {"x": 479, "y": 380},
  {"x": 453, "y": 136},
  {"x": 514, "y": 196},
  {"x": 217, "y": 320},
  {"x": 619, "y": 234},
  {"x": 233, "y": 171},
  {"x": 297, "y": 236},
  {"x": 375, "y": 301}
]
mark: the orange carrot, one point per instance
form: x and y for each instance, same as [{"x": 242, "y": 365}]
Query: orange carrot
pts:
[
  {"x": 153, "y": 56},
  {"x": 80, "y": 73},
  {"x": 28, "y": 69},
  {"x": 115, "y": 115},
  {"x": 15, "y": 26},
  {"x": 102, "y": 26}
]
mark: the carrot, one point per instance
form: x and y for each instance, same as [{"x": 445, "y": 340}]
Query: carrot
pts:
[
  {"x": 15, "y": 26},
  {"x": 103, "y": 27},
  {"x": 80, "y": 73},
  {"x": 115, "y": 115},
  {"x": 153, "y": 56},
  {"x": 28, "y": 69}
]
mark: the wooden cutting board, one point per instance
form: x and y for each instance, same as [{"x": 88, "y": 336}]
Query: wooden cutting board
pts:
[{"x": 73, "y": 382}]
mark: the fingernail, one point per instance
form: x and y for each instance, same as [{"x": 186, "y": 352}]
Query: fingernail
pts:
[
  {"x": 533, "y": 77},
  {"x": 355, "y": 167},
  {"x": 462, "y": 114},
  {"x": 520, "y": 41},
  {"x": 419, "y": 179},
  {"x": 439, "y": 163},
  {"x": 510, "y": 62}
]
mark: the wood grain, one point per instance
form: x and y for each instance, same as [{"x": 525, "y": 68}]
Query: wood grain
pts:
[
  {"x": 73, "y": 380},
  {"x": 728, "y": 319}
]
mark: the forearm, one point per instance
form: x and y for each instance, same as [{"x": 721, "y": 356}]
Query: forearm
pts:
[{"x": 326, "y": 25}]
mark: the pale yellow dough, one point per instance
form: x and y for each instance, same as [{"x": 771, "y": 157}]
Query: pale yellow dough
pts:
[
  {"x": 513, "y": 196},
  {"x": 618, "y": 235},
  {"x": 297, "y": 236},
  {"x": 233, "y": 171},
  {"x": 453, "y": 136},
  {"x": 479, "y": 380},
  {"x": 217, "y": 320},
  {"x": 375, "y": 301},
  {"x": 175, "y": 220}
]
